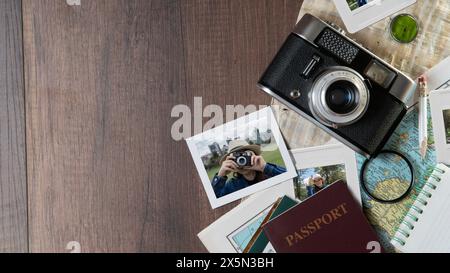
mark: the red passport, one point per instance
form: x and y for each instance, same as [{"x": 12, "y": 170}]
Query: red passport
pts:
[{"x": 328, "y": 222}]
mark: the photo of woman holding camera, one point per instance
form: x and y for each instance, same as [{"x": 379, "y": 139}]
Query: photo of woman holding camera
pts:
[{"x": 246, "y": 166}]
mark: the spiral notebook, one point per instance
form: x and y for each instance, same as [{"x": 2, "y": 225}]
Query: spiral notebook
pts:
[{"x": 426, "y": 227}]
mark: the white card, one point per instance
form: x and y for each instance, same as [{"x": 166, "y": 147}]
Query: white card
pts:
[
  {"x": 358, "y": 14},
  {"x": 440, "y": 113},
  {"x": 330, "y": 163}
]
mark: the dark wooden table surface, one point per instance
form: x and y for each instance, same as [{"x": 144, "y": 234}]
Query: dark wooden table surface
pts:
[{"x": 86, "y": 152}]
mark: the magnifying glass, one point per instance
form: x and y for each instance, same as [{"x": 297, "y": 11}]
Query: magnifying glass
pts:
[{"x": 387, "y": 178}]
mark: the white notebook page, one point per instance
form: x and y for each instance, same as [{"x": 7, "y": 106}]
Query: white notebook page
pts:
[{"x": 431, "y": 233}]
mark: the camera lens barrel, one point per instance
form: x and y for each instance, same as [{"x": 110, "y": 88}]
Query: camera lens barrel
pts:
[
  {"x": 339, "y": 97},
  {"x": 342, "y": 97},
  {"x": 241, "y": 161}
]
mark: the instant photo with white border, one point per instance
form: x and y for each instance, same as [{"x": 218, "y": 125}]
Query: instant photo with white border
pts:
[
  {"x": 330, "y": 155},
  {"x": 370, "y": 13},
  {"x": 440, "y": 106},
  {"x": 264, "y": 118}
]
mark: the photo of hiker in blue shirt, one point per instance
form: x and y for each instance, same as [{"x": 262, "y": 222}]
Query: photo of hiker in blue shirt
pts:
[
  {"x": 355, "y": 4},
  {"x": 447, "y": 125},
  {"x": 311, "y": 181},
  {"x": 241, "y": 167}
]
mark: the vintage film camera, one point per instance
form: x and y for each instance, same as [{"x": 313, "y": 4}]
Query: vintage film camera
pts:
[
  {"x": 339, "y": 86},
  {"x": 242, "y": 159}
]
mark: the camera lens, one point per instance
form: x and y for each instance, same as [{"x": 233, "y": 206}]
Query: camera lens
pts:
[
  {"x": 241, "y": 161},
  {"x": 342, "y": 97},
  {"x": 339, "y": 97}
]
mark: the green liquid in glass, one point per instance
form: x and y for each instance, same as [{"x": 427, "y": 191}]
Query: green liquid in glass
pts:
[{"x": 404, "y": 28}]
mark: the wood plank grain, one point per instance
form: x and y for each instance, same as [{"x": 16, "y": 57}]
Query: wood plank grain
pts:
[
  {"x": 227, "y": 45},
  {"x": 13, "y": 201},
  {"x": 101, "y": 81}
]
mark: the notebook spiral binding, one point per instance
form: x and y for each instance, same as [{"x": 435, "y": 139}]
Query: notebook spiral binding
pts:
[{"x": 425, "y": 193}]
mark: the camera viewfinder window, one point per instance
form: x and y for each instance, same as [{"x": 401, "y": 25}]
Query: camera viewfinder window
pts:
[{"x": 380, "y": 74}]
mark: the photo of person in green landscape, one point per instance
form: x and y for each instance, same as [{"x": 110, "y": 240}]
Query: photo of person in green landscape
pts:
[
  {"x": 312, "y": 180},
  {"x": 241, "y": 157},
  {"x": 354, "y": 4},
  {"x": 243, "y": 166},
  {"x": 447, "y": 125}
]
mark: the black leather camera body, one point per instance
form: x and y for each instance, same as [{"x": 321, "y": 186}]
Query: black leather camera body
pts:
[
  {"x": 242, "y": 159},
  {"x": 339, "y": 86}
]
